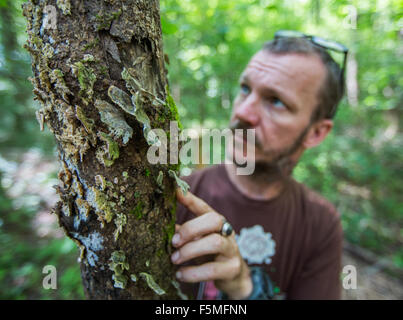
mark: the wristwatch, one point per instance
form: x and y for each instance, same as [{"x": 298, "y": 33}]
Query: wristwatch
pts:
[{"x": 262, "y": 286}]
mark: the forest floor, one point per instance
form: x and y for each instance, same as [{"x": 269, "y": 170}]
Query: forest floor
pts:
[
  {"x": 29, "y": 181},
  {"x": 372, "y": 283}
]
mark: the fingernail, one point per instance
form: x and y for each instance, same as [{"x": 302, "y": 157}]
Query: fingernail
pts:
[
  {"x": 175, "y": 256},
  {"x": 178, "y": 275},
  {"x": 176, "y": 238}
]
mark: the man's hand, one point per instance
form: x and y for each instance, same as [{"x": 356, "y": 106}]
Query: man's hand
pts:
[{"x": 201, "y": 236}]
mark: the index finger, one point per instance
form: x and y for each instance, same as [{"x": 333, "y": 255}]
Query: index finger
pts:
[{"x": 193, "y": 203}]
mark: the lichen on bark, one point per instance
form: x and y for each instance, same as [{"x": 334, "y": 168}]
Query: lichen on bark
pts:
[{"x": 97, "y": 45}]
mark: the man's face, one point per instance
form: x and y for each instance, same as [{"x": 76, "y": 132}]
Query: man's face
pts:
[{"x": 278, "y": 93}]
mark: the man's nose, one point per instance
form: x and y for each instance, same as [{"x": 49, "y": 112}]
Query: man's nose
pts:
[{"x": 248, "y": 110}]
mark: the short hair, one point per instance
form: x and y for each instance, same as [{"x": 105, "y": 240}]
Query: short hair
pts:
[{"x": 332, "y": 90}]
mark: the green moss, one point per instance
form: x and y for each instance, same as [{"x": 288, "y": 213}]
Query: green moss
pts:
[
  {"x": 106, "y": 207},
  {"x": 65, "y": 6},
  {"x": 170, "y": 228},
  {"x": 87, "y": 122},
  {"x": 48, "y": 51},
  {"x": 116, "y": 14},
  {"x": 160, "y": 252},
  {"x": 112, "y": 149},
  {"x": 147, "y": 172},
  {"x": 174, "y": 167},
  {"x": 138, "y": 210},
  {"x": 37, "y": 42},
  {"x": 122, "y": 199},
  {"x": 104, "y": 20},
  {"x": 58, "y": 74},
  {"x": 160, "y": 120},
  {"x": 170, "y": 103},
  {"x": 86, "y": 78},
  {"x": 92, "y": 44},
  {"x": 104, "y": 71}
]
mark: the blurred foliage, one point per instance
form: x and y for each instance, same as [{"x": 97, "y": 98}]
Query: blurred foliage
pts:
[
  {"x": 18, "y": 127},
  {"x": 24, "y": 254},
  {"x": 358, "y": 167}
]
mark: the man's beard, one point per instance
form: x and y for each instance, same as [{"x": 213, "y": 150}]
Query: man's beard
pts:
[{"x": 280, "y": 166}]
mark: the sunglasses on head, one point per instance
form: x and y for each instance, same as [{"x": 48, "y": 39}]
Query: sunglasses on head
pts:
[{"x": 320, "y": 42}]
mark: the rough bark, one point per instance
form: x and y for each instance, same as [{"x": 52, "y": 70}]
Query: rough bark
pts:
[{"x": 104, "y": 57}]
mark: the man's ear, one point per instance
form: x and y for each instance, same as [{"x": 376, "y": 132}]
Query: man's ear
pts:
[{"x": 317, "y": 133}]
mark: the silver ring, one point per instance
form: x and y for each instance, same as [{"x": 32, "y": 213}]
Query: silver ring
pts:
[{"x": 226, "y": 229}]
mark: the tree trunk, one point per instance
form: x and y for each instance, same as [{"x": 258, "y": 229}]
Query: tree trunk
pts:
[{"x": 93, "y": 62}]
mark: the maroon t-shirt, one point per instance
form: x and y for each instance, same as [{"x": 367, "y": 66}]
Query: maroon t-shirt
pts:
[{"x": 296, "y": 237}]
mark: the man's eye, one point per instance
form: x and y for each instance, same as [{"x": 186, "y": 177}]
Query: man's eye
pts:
[
  {"x": 277, "y": 103},
  {"x": 245, "y": 89}
]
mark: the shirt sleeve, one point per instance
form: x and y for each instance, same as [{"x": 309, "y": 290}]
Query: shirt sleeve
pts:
[{"x": 319, "y": 278}]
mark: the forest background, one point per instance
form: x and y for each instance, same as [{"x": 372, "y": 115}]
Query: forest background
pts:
[{"x": 358, "y": 168}]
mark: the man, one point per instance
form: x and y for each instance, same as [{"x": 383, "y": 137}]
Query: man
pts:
[{"x": 288, "y": 239}]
